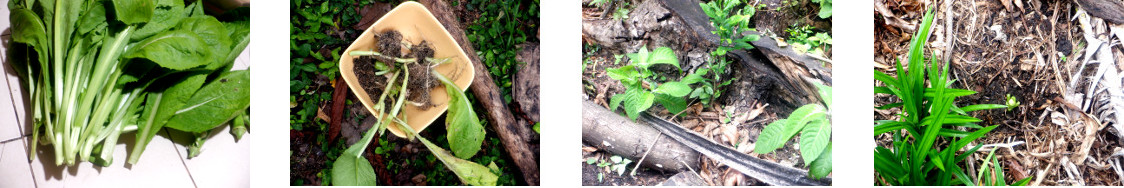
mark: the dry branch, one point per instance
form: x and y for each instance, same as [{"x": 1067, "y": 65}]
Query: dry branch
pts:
[{"x": 621, "y": 136}]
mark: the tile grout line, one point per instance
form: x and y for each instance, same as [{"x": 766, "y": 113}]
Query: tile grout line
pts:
[
  {"x": 12, "y": 97},
  {"x": 181, "y": 157},
  {"x": 27, "y": 148}
]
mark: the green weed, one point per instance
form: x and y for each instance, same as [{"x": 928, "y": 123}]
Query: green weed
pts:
[
  {"x": 644, "y": 87},
  {"x": 915, "y": 158},
  {"x": 730, "y": 20},
  {"x": 813, "y": 123}
]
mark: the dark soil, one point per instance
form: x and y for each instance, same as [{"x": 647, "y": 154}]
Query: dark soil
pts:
[
  {"x": 306, "y": 159},
  {"x": 643, "y": 177},
  {"x": 420, "y": 78},
  {"x": 372, "y": 83},
  {"x": 389, "y": 43}
]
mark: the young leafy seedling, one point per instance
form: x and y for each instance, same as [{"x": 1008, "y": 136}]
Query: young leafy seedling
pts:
[
  {"x": 730, "y": 24},
  {"x": 643, "y": 85},
  {"x": 813, "y": 123}
]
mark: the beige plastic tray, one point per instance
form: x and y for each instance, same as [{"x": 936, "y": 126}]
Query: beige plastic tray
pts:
[{"x": 416, "y": 23}]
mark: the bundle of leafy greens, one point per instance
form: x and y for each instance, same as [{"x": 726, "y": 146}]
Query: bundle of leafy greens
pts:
[
  {"x": 915, "y": 156},
  {"x": 465, "y": 133},
  {"x": 96, "y": 69}
]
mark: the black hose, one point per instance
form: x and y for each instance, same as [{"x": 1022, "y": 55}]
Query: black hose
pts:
[{"x": 765, "y": 171}]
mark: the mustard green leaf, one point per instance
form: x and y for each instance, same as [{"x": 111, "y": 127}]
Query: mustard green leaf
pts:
[
  {"x": 353, "y": 170},
  {"x": 177, "y": 50},
  {"x": 215, "y": 103},
  {"x": 134, "y": 11},
  {"x": 465, "y": 134},
  {"x": 469, "y": 172}
]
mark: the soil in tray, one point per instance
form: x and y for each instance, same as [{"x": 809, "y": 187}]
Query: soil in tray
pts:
[
  {"x": 389, "y": 43},
  {"x": 368, "y": 80},
  {"x": 421, "y": 80}
]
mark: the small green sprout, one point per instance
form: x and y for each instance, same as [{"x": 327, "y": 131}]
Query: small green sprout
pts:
[{"x": 1012, "y": 102}]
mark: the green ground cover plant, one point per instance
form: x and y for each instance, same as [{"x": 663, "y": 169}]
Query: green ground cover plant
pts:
[
  {"x": 930, "y": 129},
  {"x": 98, "y": 69},
  {"x": 621, "y": 11},
  {"x": 804, "y": 40},
  {"x": 497, "y": 34}
]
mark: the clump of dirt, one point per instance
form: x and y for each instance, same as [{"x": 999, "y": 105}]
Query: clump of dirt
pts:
[
  {"x": 371, "y": 82},
  {"x": 420, "y": 78},
  {"x": 389, "y": 43}
]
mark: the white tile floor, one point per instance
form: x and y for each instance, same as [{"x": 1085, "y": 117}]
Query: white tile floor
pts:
[{"x": 223, "y": 163}]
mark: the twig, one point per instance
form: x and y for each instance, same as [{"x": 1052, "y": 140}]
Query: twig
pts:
[
  {"x": 825, "y": 60},
  {"x": 646, "y": 154},
  {"x": 1042, "y": 173},
  {"x": 989, "y": 147}
]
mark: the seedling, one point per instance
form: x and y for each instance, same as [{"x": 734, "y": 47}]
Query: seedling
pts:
[
  {"x": 813, "y": 123},
  {"x": 926, "y": 109},
  {"x": 730, "y": 24},
  {"x": 804, "y": 40},
  {"x": 644, "y": 87},
  {"x": 1012, "y": 102},
  {"x": 615, "y": 163}
]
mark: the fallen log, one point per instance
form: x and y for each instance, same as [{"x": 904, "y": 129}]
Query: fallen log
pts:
[
  {"x": 622, "y": 136},
  {"x": 525, "y": 91},
  {"x": 515, "y": 137},
  {"x": 1105, "y": 9}
]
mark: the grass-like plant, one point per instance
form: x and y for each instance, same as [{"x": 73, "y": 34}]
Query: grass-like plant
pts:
[
  {"x": 644, "y": 87},
  {"x": 813, "y": 123},
  {"x": 927, "y": 113},
  {"x": 991, "y": 173}
]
